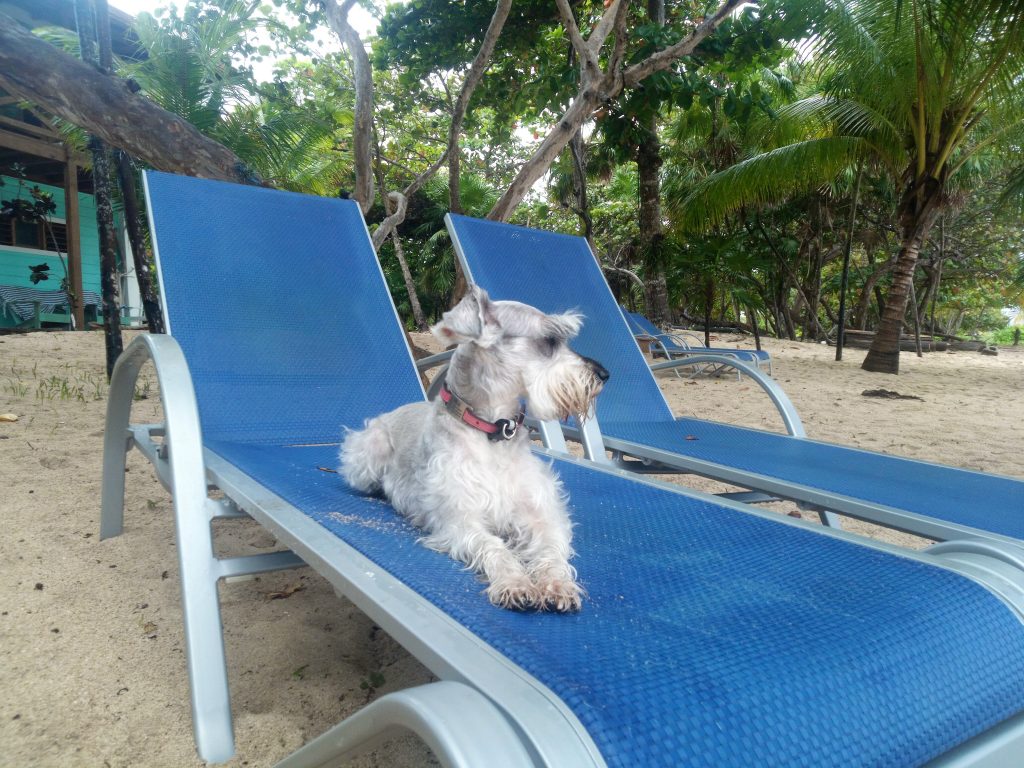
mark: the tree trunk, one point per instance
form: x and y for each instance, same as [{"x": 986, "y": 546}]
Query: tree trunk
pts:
[
  {"x": 844, "y": 284},
  {"x": 107, "y": 107},
  {"x": 579, "y": 188},
  {"x": 918, "y": 215},
  {"x": 403, "y": 265},
  {"x": 648, "y": 166},
  {"x": 476, "y": 71},
  {"x": 362, "y": 75},
  {"x": 140, "y": 254},
  {"x": 754, "y": 327},
  {"x": 650, "y": 246},
  {"x": 860, "y": 315},
  {"x": 89, "y": 18}
]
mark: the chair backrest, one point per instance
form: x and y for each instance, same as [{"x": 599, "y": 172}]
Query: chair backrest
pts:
[
  {"x": 643, "y": 327},
  {"x": 280, "y": 308},
  {"x": 556, "y": 273}
]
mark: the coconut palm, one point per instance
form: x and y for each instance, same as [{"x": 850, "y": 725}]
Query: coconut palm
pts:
[
  {"x": 195, "y": 65},
  {"x": 923, "y": 89}
]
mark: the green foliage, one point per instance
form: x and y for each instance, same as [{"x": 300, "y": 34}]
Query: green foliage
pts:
[{"x": 762, "y": 133}]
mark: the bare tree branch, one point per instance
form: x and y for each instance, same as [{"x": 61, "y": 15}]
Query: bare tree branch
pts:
[
  {"x": 594, "y": 91},
  {"x": 586, "y": 54},
  {"x": 476, "y": 72},
  {"x": 663, "y": 59},
  {"x": 337, "y": 18}
]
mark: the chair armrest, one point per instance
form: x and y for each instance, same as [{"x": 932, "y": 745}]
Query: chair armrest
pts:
[
  {"x": 181, "y": 413},
  {"x": 785, "y": 407},
  {"x": 426, "y": 363}
]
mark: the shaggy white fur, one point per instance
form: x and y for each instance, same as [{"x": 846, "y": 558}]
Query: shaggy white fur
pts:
[{"x": 492, "y": 504}]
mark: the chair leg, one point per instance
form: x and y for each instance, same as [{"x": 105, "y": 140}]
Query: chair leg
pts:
[
  {"x": 184, "y": 467},
  {"x": 204, "y": 638}
]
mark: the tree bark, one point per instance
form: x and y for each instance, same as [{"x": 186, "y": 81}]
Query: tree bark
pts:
[
  {"x": 106, "y": 107},
  {"x": 140, "y": 254},
  {"x": 648, "y": 166},
  {"x": 362, "y": 74},
  {"x": 919, "y": 211},
  {"x": 473, "y": 76},
  {"x": 89, "y": 18},
  {"x": 598, "y": 85}
]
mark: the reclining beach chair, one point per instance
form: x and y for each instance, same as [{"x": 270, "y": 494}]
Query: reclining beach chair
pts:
[
  {"x": 680, "y": 344},
  {"x": 711, "y": 635},
  {"x": 556, "y": 272}
]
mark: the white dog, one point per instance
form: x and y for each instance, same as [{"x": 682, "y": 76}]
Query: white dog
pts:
[{"x": 459, "y": 467}]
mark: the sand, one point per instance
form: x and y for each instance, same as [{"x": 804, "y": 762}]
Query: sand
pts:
[{"x": 91, "y": 651}]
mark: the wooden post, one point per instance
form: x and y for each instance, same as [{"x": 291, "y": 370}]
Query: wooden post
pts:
[{"x": 74, "y": 240}]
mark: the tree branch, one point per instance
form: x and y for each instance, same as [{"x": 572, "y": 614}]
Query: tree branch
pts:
[
  {"x": 593, "y": 91},
  {"x": 608, "y": 22},
  {"x": 473, "y": 77},
  {"x": 664, "y": 58},
  {"x": 401, "y": 202},
  {"x": 584, "y": 51},
  {"x": 362, "y": 72}
]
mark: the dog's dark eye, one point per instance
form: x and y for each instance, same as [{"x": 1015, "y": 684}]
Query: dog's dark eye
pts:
[{"x": 549, "y": 344}]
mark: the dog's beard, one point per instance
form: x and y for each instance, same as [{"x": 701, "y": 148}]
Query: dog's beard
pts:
[{"x": 570, "y": 397}]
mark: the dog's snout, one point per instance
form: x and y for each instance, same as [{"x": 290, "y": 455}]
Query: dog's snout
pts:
[{"x": 599, "y": 370}]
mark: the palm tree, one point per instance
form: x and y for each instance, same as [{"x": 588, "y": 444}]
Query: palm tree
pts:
[
  {"x": 919, "y": 87},
  {"x": 195, "y": 66}
]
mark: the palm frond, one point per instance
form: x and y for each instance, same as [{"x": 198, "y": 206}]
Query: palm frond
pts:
[{"x": 766, "y": 179}]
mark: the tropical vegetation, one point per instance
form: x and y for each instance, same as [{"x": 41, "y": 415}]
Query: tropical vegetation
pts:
[{"x": 805, "y": 166}]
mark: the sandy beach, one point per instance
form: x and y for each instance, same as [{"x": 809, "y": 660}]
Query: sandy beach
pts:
[{"x": 91, "y": 650}]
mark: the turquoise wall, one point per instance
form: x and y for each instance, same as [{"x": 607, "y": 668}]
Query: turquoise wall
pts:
[{"x": 14, "y": 263}]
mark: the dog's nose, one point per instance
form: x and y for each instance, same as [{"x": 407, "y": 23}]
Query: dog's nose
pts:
[{"x": 599, "y": 370}]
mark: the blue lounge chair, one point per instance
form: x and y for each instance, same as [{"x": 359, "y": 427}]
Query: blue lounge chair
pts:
[
  {"x": 675, "y": 345},
  {"x": 555, "y": 272},
  {"x": 712, "y": 636}
]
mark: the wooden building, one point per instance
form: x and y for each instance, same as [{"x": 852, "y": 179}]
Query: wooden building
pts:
[{"x": 33, "y": 153}]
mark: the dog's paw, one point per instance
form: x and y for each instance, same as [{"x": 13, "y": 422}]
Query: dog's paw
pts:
[
  {"x": 516, "y": 593},
  {"x": 562, "y": 595}
]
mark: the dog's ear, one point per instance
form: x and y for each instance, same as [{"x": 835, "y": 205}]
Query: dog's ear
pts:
[
  {"x": 472, "y": 319},
  {"x": 564, "y": 326}
]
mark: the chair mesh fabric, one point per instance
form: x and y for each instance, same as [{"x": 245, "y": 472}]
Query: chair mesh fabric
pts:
[
  {"x": 279, "y": 306},
  {"x": 526, "y": 264},
  {"x": 988, "y": 502},
  {"x": 709, "y": 637}
]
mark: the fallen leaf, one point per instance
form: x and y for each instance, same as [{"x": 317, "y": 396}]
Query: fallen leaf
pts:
[
  {"x": 8, "y": 417},
  {"x": 288, "y": 591}
]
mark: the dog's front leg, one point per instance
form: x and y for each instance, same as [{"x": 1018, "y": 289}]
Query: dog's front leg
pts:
[
  {"x": 510, "y": 586},
  {"x": 546, "y": 550}
]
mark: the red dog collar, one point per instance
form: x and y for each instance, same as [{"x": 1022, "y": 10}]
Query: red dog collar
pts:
[{"x": 502, "y": 429}]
